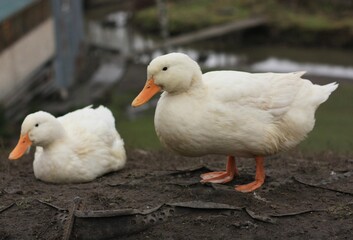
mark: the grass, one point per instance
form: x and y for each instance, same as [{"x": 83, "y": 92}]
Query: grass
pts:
[
  {"x": 333, "y": 130},
  {"x": 185, "y": 16},
  {"x": 311, "y": 22},
  {"x": 334, "y": 123},
  {"x": 138, "y": 132}
]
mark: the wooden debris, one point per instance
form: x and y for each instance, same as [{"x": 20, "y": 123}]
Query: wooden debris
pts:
[
  {"x": 321, "y": 187},
  {"x": 7, "y": 207},
  {"x": 52, "y": 206}
]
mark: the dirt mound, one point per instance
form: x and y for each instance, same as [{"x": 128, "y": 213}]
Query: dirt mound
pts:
[{"x": 158, "y": 196}]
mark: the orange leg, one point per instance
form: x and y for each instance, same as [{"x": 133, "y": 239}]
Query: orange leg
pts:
[
  {"x": 222, "y": 177},
  {"x": 259, "y": 177}
]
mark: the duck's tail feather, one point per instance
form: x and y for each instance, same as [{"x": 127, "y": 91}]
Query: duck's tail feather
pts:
[
  {"x": 300, "y": 73},
  {"x": 119, "y": 153},
  {"x": 324, "y": 92}
]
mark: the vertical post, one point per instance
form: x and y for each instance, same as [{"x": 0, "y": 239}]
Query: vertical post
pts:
[
  {"x": 68, "y": 37},
  {"x": 163, "y": 22}
]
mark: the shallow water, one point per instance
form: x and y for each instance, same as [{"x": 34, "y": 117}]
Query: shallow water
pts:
[{"x": 220, "y": 54}]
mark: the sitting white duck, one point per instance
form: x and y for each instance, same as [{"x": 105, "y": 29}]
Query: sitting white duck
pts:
[
  {"x": 230, "y": 112},
  {"x": 77, "y": 147}
]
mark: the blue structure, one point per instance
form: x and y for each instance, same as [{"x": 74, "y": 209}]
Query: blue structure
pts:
[
  {"x": 68, "y": 27},
  {"x": 68, "y": 36},
  {"x": 10, "y": 7}
]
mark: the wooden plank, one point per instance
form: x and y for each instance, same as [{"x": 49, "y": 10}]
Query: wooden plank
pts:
[{"x": 212, "y": 32}]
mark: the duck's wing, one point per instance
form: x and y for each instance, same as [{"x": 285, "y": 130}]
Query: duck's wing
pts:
[
  {"x": 90, "y": 123},
  {"x": 94, "y": 143},
  {"x": 270, "y": 92}
]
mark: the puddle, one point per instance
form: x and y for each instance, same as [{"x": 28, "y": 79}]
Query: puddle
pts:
[
  {"x": 273, "y": 64},
  {"x": 114, "y": 33}
]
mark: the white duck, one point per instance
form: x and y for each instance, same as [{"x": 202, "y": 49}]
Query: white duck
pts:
[
  {"x": 77, "y": 147},
  {"x": 229, "y": 112}
]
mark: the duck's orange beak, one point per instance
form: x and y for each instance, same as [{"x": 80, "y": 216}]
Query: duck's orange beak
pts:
[
  {"x": 147, "y": 93},
  {"x": 23, "y": 144}
]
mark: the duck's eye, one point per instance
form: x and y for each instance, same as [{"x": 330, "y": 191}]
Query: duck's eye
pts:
[
  {"x": 37, "y": 124},
  {"x": 165, "y": 69}
]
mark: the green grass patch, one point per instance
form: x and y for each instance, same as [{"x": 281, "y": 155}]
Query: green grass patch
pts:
[
  {"x": 137, "y": 132},
  {"x": 185, "y": 16},
  {"x": 311, "y": 21},
  {"x": 334, "y": 123}
]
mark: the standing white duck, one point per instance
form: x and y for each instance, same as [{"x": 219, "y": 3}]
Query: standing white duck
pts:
[
  {"x": 77, "y": 147},
  {"x": 230, "y": 112}
]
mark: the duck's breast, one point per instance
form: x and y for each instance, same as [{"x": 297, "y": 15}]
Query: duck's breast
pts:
[
  {"x": 195, "y": 126},
  {"x": 177, "y": 120}
]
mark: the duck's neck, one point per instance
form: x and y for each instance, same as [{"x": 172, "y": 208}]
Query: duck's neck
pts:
[
  {"x": 197, "y": 85},
  {"x": 56, "y": 135},
  {"x": 197, "y": 80}
]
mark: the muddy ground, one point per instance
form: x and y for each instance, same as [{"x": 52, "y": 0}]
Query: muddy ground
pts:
[{"x": 158, "y": 196}]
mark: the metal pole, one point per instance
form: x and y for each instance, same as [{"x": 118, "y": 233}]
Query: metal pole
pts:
[
  {"x": 67, "y": 16},
  {"x": 163, "y": 22}
]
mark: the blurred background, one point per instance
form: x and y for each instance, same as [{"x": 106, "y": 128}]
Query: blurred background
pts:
[{"x": 60, "y": 55}]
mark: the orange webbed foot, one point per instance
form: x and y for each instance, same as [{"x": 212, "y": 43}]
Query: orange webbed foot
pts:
[
  {"x": 250, "y": 186},
  {"x": 259, "y": 178},
  {"x": 217, "y": 177},
  {"x": 221, "y": 177}
]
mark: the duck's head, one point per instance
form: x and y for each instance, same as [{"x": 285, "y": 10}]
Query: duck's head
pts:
[
  {"x": 173, "y": 73},
  {"x": 40, "y": 128}
]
